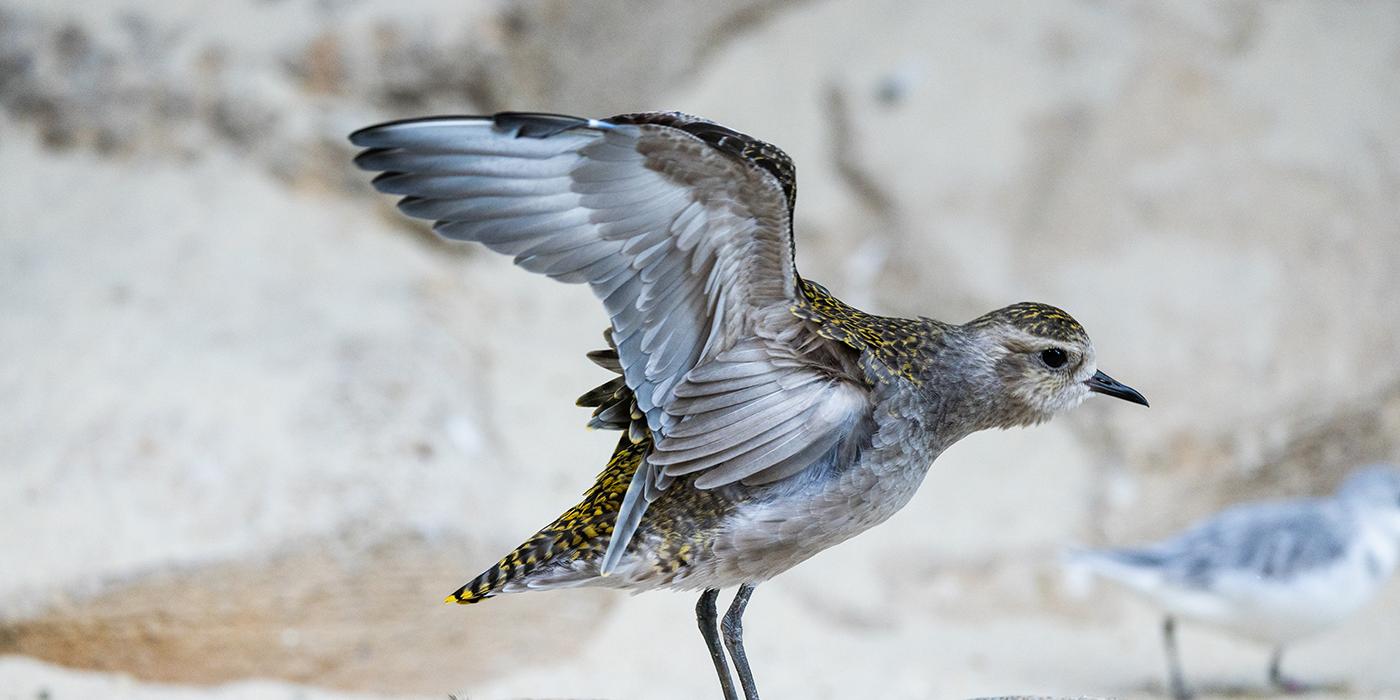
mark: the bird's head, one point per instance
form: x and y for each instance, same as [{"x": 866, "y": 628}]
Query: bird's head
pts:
[
  {"x": 1041, "y": 361},
  {"x": 1376, "y": 490}
]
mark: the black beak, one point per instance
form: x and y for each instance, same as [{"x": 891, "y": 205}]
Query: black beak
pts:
[{"x": 1103, "y": 384}]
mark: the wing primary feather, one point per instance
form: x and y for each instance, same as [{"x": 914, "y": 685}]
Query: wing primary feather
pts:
[
  {"x": 439, "y": 186},
  {"x": 478, "y": 208},
  {"x": 604, "y": 264},
  {"x": 394, "y": 159},
  {"x": 370, "y": 136},
  {"x": 538, "y": 125},
  {"x": 499, "y": 232}
]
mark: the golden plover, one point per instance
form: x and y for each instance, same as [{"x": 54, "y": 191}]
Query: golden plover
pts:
[{"x": 763, "y": 419}]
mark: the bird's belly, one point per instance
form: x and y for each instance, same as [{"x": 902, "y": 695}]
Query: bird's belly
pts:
[
  {"x": 1281, "y": 611},
  {"x": 760, "y": 540}
]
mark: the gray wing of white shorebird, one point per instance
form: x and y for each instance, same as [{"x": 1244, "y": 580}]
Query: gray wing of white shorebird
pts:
[
  {"x": 1268, "y": 541},
  {"x": 687, "y": 240}
]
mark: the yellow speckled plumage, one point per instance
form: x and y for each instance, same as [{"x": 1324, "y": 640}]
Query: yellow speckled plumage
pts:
[
  {"x": 899, "y": 345},
  {"x": 1038, "y": 319}
]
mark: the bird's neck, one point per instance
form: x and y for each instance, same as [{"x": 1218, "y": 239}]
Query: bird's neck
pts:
[{"x": 949, "y": 397}]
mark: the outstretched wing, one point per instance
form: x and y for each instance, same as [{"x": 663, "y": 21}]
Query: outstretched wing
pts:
[{"x": 684, "y": 232}]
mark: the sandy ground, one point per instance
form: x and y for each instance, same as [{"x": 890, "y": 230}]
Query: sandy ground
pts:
[
  {"x": 942, "y": 646},
  {"x": 256, "y": 424}
]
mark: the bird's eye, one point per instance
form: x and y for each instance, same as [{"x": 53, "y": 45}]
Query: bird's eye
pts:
[{"x": 1054, "y": 358}]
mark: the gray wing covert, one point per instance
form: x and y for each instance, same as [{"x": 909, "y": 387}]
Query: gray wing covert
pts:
[
  {"x": 688, "y": 247},
  {"x": 1273, "y": 541}
]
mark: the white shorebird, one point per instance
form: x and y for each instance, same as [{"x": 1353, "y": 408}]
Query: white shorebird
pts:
[{"x": 1274, "y": 572}]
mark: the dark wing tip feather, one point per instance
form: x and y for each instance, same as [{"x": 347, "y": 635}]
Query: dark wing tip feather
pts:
[
  {"x": 537, "y": 125},
  {"x": 364, "y": 160},
  {"x": 733, "y": 143},
  {"x": 414, "y": 206},
  {"x": 385, "y": 181},
  {"x": 372, "y": 136},
  {"x": 522, "y": 124}
]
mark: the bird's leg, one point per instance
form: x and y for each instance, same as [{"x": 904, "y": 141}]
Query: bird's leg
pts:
[
  {"x": 733, "y": 626},
  {"x": 708, "y": 616},
  {"x": 1280, "y": 681},
  {"x": 1174, "y": 677}
]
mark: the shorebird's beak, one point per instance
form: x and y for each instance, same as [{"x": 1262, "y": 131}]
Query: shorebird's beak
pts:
[{"x": 1103, "y": 384}]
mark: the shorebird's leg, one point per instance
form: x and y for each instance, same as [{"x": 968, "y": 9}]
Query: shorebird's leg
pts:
[
  {"x": 708, "y": 617},
  {"x": 1174, "y": 677},
  {"x": 1280, "y": 681},
  {"x": 733, "y": 626}
]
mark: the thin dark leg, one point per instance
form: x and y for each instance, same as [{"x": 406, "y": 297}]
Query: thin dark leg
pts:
[
  {"x": 708, "y": 617},
  {"x": 1174, "y": 677},
  {"x": 733, "y": 626},
  {"x": 1276, "y": 677}
]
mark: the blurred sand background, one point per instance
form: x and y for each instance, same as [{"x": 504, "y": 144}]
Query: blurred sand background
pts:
[{"x": 255, "y": 424}]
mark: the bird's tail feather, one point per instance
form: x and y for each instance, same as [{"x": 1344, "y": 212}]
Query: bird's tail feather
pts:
[
  {"x": 567, "y": 551},
  {"x": 1133, "y": 568}
]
